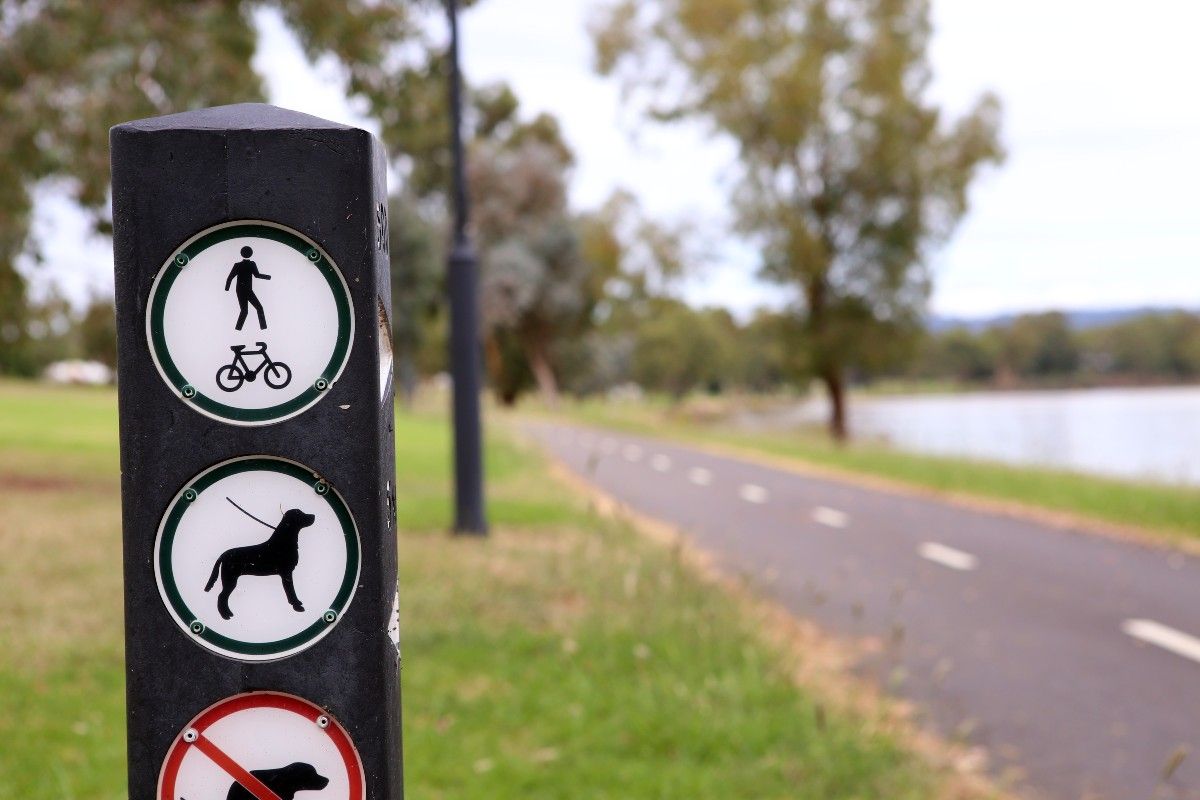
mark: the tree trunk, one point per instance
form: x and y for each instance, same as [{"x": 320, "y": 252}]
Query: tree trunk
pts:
[
  {"x": 827, "y": 369},
  {"x": 836, "y": 388},
  {"x": 504, "y": 389},
  {"x": 539, "y": 364}
]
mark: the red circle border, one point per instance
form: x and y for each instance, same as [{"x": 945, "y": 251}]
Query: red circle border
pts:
[{"x": 242, "y": 702}]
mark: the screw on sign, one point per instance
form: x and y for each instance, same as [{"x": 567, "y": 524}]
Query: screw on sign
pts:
[
  {"x": 262, "y": 746},
  {"x": 257, "y": 558}
]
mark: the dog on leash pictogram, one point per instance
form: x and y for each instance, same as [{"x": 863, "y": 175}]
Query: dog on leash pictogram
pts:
[{"x": 278, "y": 555}]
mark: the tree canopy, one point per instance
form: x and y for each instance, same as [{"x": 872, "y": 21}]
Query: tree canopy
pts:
[
  {"x": 849, "y": 174},
  {"x": 534, "y": 281},
  {"x": 69, "y": 70}
]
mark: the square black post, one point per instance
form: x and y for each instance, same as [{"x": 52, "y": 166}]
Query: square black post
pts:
[{"x": 174, "y": 177}]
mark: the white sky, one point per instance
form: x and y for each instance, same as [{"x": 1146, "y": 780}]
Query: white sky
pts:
[{"x": 1095, "y": 206}]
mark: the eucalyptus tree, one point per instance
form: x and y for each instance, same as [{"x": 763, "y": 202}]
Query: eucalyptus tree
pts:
[
  {"x": 534, "y": 280},
  {"x": 70, "y": 69},
  {"x": 416, "y": 243},
  {"x": 849, "y": 174}
]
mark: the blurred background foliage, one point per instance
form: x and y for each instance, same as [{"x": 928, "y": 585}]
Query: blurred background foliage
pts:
[
  {"x": 847, "y": 177},
  {"x": 70, "y": 70}
]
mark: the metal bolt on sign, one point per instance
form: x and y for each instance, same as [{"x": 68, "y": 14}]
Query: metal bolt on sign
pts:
[{"x": 253, "y": 316}]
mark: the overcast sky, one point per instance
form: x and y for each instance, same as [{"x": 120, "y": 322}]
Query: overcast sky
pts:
[{"x": 1095, "y": 206}]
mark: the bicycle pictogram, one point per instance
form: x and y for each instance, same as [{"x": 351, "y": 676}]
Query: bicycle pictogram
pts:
[{"x": 230, "y": 377}]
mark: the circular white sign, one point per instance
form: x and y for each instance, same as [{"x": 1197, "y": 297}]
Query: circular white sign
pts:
[
  {"x": 250, "y": 322},
  {"x": 257, "y": 558},
  {"x": 262, "y": 746}
]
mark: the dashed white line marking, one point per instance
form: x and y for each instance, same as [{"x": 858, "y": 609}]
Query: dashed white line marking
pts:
[
  {"x": 1155, "y": 633},
  {"x": 700, "y": 476},
  {"x": 632, "y": 452},
  {"x": 661, "y": 463},
  {"x": 752, "y": 493},
  {"x": 947, "y": 556},
  {"x": 830, "y": 517}
]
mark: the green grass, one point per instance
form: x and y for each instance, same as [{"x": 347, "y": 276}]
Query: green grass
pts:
[
  {"x": 58, "y": 434},
  {"x": 563, "y": 657},
  {"x": 1170, "y": 512}
]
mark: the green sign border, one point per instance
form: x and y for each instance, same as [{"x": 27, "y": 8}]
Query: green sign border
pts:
[
  {"x": 179, "y": 261},
  {"x": 166, "y": 575}
]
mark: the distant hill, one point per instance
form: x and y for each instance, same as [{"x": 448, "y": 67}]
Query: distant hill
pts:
[{"x": 1079, "y": 319}]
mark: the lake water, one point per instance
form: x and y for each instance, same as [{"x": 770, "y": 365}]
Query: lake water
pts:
[{"x": 1151, "y": 434}]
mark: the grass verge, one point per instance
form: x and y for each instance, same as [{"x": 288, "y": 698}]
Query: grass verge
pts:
[
  {"x": 1158, "y": 511},
  {"x": 562, "y": 657}
]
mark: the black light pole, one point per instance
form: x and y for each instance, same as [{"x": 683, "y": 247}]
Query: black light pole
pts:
[{"x": 464, "y": 326}]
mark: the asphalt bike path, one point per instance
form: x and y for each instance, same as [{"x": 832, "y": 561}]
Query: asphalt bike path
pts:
[{"x": 1072, "y": 659}]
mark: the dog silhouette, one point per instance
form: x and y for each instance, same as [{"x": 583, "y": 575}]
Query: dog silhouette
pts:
[
  {"x": 285, "y": 781},
  {"x": 278, "y": 555}
]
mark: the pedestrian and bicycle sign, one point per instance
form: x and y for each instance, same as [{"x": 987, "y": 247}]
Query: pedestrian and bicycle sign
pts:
[
  {"x": 262, "y": 746},
  {"x": 257, "y": 558},
  {"x": 250, "y": 322}
]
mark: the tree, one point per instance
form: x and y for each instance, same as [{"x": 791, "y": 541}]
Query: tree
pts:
[
  {"x": 533, "y": 279},
  {"x": 1147, "y": 346},
  {"x": 416, "y": 246},
  {"x": 633, "y": 257},
  {"x": 47, "y": 335},
  {"x": 1039, "y": 346},
  {"x": 97, "y": 331},
  {"x": 71, "y": 70},
  {"x": 679, "y": 349},
  {"x": 765, "y": 361},
  {"x": 849, "y": 175},
  {"x": 632, "y": 261},
  {"x": 956, "y": 353}
]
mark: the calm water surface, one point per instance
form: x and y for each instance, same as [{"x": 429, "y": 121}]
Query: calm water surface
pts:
[{"x": 1151, "y": 434}]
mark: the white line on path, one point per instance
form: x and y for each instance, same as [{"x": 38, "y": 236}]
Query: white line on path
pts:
[
  {"x": 752, "y": 493},
  {"x": 632, "y": 452},
  {"x": 661, "y": 463},
  {"x": 830, "y": 517},
  {"x": 1178, "y": 642},
  {"x": 700, "y": 476},
  {"x": 947, "y": 556}
]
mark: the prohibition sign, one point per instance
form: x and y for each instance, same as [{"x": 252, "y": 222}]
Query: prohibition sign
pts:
[
  {"x": 257, "y": 558},
  {"x": 262, "y": 746},
  {"x": 249, "y": 322}
]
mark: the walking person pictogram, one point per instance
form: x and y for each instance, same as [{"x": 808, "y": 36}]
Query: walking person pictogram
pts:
[{"x": 245, "y": 271}]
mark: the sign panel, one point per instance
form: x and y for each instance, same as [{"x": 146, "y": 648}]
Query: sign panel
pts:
[
  {"x": 250, "y": 322},
  {"x": 257, "y": 558},
  {"x": 262, "y": 746}
]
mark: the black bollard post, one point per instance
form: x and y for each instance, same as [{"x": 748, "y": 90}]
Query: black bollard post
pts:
[{"x": 257, "y": 457}]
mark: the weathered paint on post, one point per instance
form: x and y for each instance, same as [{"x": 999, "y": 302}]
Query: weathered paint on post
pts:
[{"x": 256, "y": 402}]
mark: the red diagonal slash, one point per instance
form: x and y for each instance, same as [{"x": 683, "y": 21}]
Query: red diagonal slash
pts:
[{"x": 218, "y": 756}]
